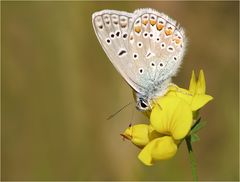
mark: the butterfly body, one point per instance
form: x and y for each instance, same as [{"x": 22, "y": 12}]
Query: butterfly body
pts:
[{"x": 146, "y": 47}]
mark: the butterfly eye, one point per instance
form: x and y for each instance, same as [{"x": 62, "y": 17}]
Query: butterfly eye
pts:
[{"x": 143, "y": 104}]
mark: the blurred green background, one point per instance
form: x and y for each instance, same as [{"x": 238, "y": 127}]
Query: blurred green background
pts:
[{"x": 58, "y": 88}]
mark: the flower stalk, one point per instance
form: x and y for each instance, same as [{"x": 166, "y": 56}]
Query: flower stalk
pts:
[{"x": 192, "y": 158}]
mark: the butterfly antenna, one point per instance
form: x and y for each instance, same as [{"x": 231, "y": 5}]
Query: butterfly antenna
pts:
[{"x": 112, "y": 115}]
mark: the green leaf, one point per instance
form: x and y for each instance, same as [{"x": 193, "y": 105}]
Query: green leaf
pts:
[
  {"x": 194, "y": 138},
  {"x": 197, "y": 126}
]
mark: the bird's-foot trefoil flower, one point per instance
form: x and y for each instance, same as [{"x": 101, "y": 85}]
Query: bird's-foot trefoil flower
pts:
[{"x": 173, "y": 118}]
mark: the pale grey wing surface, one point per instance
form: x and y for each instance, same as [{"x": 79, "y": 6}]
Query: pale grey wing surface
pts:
[
  {"x": 112, "y": 29},
  {"x": 157, "y": 45}
]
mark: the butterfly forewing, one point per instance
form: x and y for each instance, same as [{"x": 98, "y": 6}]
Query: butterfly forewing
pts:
[{"x": 112, "y": 29}]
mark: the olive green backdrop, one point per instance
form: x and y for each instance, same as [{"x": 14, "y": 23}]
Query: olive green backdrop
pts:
[{"x": 58, "y": 88}]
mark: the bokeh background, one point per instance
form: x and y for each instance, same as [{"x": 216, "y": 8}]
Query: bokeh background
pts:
[{"x": 58, "y": 88}]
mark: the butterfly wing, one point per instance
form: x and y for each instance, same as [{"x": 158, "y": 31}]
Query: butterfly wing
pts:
[
  {"x": 146, "y": 47},
  {"x": 159, "y": 43},
  {"x": 112, "y": 29}
]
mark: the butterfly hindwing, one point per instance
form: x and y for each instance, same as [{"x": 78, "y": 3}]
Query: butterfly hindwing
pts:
[{"x": 162, "y": 47}]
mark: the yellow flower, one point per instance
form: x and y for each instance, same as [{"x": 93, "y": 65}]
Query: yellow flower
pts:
[
  {"x": 138, "y": 134},
  {"x": 195, "y": 96},
  {"x": 171, "y": 119}
]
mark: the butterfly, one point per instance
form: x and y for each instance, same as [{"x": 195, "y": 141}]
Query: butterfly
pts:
[{"x": 146, "y": 47}]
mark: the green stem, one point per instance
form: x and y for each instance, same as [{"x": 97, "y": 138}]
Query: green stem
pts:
[{"x": 192, "y": 158}]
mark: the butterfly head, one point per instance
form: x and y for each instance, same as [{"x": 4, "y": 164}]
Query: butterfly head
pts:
[{"x": 143, "y": 104}]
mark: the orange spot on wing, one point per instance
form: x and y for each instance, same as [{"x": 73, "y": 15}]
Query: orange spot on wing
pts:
[
  {"x": 160, "y": 26},
  {"x": 168, "y": 32},
  {"x": 152, "y": 22},
  {"x": 145, "y": 22},
  {"x": 177, "y": 40},
  {"x": 137, "y": 29}
]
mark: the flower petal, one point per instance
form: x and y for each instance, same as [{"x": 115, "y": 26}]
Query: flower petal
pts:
[
  {"x": 172, "y": 117},
  {"x": 138, "y": 134},
  {"x": 193, "y": 83},
  {"x": 181, "y": 93},
  {"x": 199, "y": 101},
  {"x": 159, "y": 149},
  {"x": 201, "y": 83}
]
